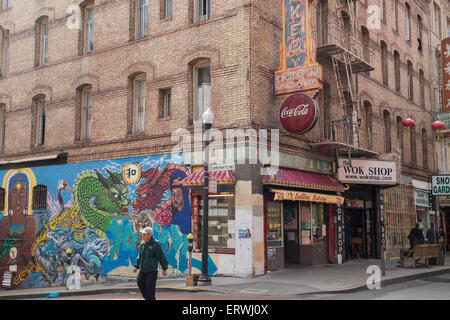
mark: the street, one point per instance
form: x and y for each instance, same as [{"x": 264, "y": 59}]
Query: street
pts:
[{"x": 430, "y": 288}]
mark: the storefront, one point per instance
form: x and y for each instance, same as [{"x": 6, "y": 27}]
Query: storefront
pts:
[
  {"x": 423, "y": 203},
  {"x": 299, "y": 221},
  {"x": 360, "y": 222}
]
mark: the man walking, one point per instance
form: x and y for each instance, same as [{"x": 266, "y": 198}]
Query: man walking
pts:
[{"x": 150, "y": 253}]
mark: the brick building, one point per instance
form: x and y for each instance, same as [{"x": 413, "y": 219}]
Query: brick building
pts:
[{"x": 91, "y": 92}]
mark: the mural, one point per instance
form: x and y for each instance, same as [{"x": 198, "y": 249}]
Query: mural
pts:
[{"x": 96, "y": 210}]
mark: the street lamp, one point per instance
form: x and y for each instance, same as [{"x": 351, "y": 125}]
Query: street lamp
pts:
[{"x": 204, "y": 279}]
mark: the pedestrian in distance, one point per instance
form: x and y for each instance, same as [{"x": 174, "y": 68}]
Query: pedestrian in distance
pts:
[
  {"x": 416, "y": 237},
  {"x": 432, "y": 235},
  {"x": 442, "y": 241},
  {"x": 150, "y": 254}
]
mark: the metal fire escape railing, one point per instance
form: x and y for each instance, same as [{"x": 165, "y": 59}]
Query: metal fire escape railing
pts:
[{"x": 340, "y": 47}]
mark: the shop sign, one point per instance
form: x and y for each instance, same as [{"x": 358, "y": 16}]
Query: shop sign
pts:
[
  {"x": 212, "y": 184},
  {"x": 299, "y": 113},
  {"x": 367, "y": 172},
  {"x": 445, "y": 45},
  {"x": 306, "y": 163},
  {"x": 382, "y": 229},
  {"x": 340, "y": 225},
  {"x": 422, "y": 198},
  {"x": 298, "y": 70},
  {"x": 444, "y": 117},
  {"x": 306, "y": 196},
  {"x": 440, "y": 185}
]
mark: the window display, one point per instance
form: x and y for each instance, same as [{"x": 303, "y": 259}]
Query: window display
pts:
[
  {"x": 274, "y": 235},
  {"x": 221, "y": 218}
]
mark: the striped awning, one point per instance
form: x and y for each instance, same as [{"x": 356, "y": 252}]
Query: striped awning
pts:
[
  {"x": 196, "y": 178},
  {"x": 301, "y": 179}
]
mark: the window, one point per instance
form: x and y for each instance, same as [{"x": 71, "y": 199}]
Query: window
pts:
[
  {"x": 412, "y": 143},
  {"x": 410, "y": 81},
  {"x": 400, "y": 135},
  {"x": 139, "y": 103},
  {"x": 203, "y": 10},
  {"x": 382, "y": 4},
  {"x": 2, "y": 126},
  {"x": 437, "y": 20},
  {"x": 202, "y": 90},
  {"x": 387, "y": 131},
  {"x": 165, "y": 97},
  {"x": 326, "y": 95},
  {"x": 425, "y": 148},
  {"x": 39, "y": 197},
  {"x": 407, "y": 22},
  {"x": 322, "y": 22},
  {"x": 368, "y": 116},
  {"x": 448, "y": 28},
  {"x": 220, "y": 213},
  {"x": 44, "y": 42},
  {"x": 384, "y": 63},
  {"x": 395, "y": 15},
  {"x": 7, "y": 4},
  {"x": 89, "y": 28},
  {"x": 422, "y": 88},
  {"x": 366, "y": 46},
  {"x": 166, "y": 9},
  {"x": 397, "y": 70},
  {"x": 41, "y": 121},
  {"x": 142, "y": 19},
  {"x": 5, "y": 62},
  {"x": 419, "y": 33},
  {"x": 86, "y": 116}
]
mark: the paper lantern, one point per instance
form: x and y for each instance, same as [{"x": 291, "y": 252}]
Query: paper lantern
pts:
[
  {"x": 408, "y": 122},
  {"x": 438, "y": 126}
]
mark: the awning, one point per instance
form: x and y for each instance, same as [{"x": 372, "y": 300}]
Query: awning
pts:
[
  {"x": 42, "y": 158},
  {"x": 301, "y": 179},
  {"x": 306, "y": 196},
  {"x": 196, "y": 178}
]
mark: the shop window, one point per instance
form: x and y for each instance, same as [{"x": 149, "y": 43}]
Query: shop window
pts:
[
  {"x": 2, "y": 199},
  {"x": 39, "y": 197},
  {"x": 221, "y": 223},
  {"x": 274, "y": 226}
]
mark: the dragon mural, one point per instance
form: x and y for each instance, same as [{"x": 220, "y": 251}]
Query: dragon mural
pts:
[{"x": 100, "y": 216}]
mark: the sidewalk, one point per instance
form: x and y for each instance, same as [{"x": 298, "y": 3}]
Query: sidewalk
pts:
[{"x": 331, "y": 278}]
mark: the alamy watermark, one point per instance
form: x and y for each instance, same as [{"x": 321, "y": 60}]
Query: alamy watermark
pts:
[{"x": 374, "y": 280}]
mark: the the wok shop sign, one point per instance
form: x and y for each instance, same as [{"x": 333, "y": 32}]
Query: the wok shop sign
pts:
[
  {"x": 440, "y": 185},
  {"x": 367, "y": 172}
]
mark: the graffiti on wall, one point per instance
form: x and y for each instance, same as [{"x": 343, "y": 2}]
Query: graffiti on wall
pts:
[{"x": 94, "y": 211}]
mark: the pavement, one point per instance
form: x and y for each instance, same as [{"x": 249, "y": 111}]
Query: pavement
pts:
[{"x": 349, "y": 277}]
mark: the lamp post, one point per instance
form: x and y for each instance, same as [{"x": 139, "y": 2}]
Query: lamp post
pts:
[{"x": 204, "y": 279}]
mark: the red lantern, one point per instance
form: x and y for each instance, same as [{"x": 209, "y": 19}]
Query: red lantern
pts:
[
  {"x": 408, "y": 122},
  {"x": 438, "y": 126}
]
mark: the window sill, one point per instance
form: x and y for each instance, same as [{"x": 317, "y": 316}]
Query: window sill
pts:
[
  {"x": 166, "y": 19},
  {"x": 83, "y": 142},
  {"x": 37, "y": 148},
  {"x": 165, "y": 119},
  {"x": 41, "y": 66},
  {"x": 140, "y": 134}
]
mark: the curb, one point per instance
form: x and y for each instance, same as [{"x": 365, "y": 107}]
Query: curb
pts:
[{"x": 167, "y": 288}]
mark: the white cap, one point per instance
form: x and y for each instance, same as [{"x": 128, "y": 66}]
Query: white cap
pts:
[{"x": 147, "y": 230}]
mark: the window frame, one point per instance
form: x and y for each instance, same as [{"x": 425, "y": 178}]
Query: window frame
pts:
[
  {"x": 43, "y": 42},
  {"x": 200, "y": 65},
  {"x": 86, "y": 113},
  {"x": 142, "y": 20},
  {"x": 2, "y": 126},
  {"x": 198, "y": 7},
  {"x": 6, "y": 53},
  {"x": 139, "y": 83},
  {"x": 86, "y": 34},
  {"x": 41, "y": 117}
]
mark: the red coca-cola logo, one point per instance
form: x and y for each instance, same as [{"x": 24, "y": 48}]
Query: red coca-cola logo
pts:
[{"x": 299, "y": 113}]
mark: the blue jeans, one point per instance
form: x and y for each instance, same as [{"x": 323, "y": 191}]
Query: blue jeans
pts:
[{"x": 146, "y": 282}]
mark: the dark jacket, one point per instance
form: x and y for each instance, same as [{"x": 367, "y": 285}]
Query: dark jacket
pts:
[
  {"x": 443, "y": 240},
  {"x": 432, "y": 236},
  {"x": 416, "y": 237},
  {"x": 149, "y": 255}
]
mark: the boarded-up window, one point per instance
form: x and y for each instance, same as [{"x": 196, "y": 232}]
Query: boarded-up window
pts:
[{"x": 39, "y": 197}]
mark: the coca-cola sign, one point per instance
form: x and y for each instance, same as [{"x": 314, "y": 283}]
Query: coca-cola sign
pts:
[{"x": 299, "y": 113}]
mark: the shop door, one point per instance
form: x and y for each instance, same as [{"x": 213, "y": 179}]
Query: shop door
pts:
[
  {"x": 291, "y": 234},
  {"x": 354, "y": 233}
]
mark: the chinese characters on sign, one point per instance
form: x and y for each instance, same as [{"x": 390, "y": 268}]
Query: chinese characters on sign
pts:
[
  {"x": 298, "y": 71},
  {"x": 446, "y": 75}
]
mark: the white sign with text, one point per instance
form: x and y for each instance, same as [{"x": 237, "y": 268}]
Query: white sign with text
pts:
[{"x": 367, "y": 172}]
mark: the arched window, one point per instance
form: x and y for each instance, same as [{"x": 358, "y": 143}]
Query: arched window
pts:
[
  {"x": 419, "y": 33},
  {"x": 387, "y": 131},
  {"x": 326, "y": 96},
  {"x": 397, "y": 70},
  {"x": 83, "y": 122},
  {"x": 2, "y": 126},
  {"x": 41, "y": 41},
  {"x": 366, "y": 45},
  {"x": 413, "y": 143},
  {"x": 399, "y": 121},
  {"x": 407, "y": 22},
  {"x": 368, "y": 118},
  {"x": 410, "y": 81},
  {"x": 137, "y": 100},
  {"x": 86, "y": 35},
  {"x": 422, "y": 88},
  {"x": 395, "y": 15},
  {"x": 384, "y": 63},
  {"x": 425, "y": 148},
  {"x": 38, "y": 120},
  {"x": 39, "y": 197}
]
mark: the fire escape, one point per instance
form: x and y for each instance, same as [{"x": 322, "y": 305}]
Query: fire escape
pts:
[{"x": 340, "y": 47}]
